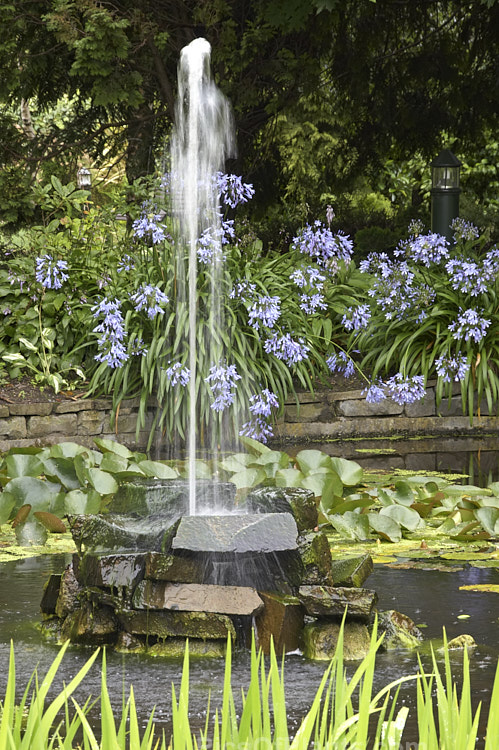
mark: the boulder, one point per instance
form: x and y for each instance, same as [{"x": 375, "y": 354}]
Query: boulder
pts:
[
  {"x": 280, "y": 620},
  {"x": 298, "y": 501},
  {"x": 122, "y": 534},
  {"x": 90, "y": 625},
  {"x": 331, "y": 601},
  {"x": 320, "y": 639},
  {"x": 461, "y": 642},
  {"x": 193, "y": 597},
  {"x": 171, "y": 497},
  {"x": 399, "y": 630},
  {"x": 315, "y": 553},
  {"x": 69, "y": 591}
]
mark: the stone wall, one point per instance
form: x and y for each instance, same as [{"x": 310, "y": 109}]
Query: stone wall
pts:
[{"x": 324, "y": 416}]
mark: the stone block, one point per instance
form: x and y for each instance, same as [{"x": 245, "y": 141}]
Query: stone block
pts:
[
  {"x": 118, "y": 570},
  {"x": 321, "y": 638},
  {"x": 41, "y": 409},
  {"x": 65, "y": 407},
  {"x": 175, "y": 648},
  {"x": 314, "y": 412},
  {"x": 361, "y": 408},
  {"x": 177, "y": 568},
  {"x": 298, "y": 501},
  {"x": 64, "y": 424},
  {"x": 315, "y": 554},
  {"x": 89, "y": 625},
  {"x": 5, "y": 411},
  {"x": 177, "y": 624},
  {"x": 146, "y": 496},
  {"x": 329, "y": 601},
  {"x": 280, "y": 620},
  {"x": 193, "y": 597},
  {"x": 352, "y": 571},
  {"x": 50, "y": 594},
  {"x": 270, "y": 532},
  {"x": 120, "y": 534},
  {"x": 69, "y": 590},
  {"x": 423, "y": 408},
  {"x": 13, "y": 428},
  {"x": 91, "y": 422}
]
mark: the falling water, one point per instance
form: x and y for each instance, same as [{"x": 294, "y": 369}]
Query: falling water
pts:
[{"x": 203, "y": 137}]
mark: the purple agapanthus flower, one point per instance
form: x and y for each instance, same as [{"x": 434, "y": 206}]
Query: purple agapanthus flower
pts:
[
  {"x": 51, "y": 273},
  {"x": 232, "y": 190},
  {"x": 150, "y": 298},
  {"x": 148, "y": 226},
  {"x": 469, "y": 325},
  {"x": 112, "y": 333},
  {"x": 356, "y": 318},
  {"x": 284, "y": 347},
  {"x": 452, "y": 368},
  {"x": 342, "y": 363},
  {"x": 264, "y": 311},
  {"x": 177, "y": 373},
  {"x": 405, "y": 390},
  {"x": 222, "y": 380}
]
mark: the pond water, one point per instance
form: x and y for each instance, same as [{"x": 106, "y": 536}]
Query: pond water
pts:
[
  {"x": 476, "y": 458},
  {"x": 431, "y": 598}
]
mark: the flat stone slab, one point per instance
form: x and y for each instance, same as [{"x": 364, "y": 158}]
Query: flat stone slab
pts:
[
  {"x": 269, "y": 532},
  {"x": 331, "y": 601},
  {"x": 195, "y": 597},
  {"x": 177, "y": 624}
]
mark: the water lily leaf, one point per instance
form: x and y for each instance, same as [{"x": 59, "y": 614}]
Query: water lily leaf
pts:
[
  {"x": 40, "y": 494},
  {"x": 23, "y": 465},
  {"x": 62, "y": 469},
  {"x": 351, "y": 505},
  {"x": 403, "y": 493},
  {"x": 237, "y": 462},
  {"x": 385, "y": 526},
  {"x": 112, "y": 446},
  {"x": 311, "y": 460},
  {"x": 323, "y": 483},
  {"x": 113, "y": 463},
  {"x": 279, "y": 458},
  {"x": 254, "y": 446},
  {"x": 7, "y": 503},
  {"x": 78, "y": 502},
  {"x": 494, "y": 487},
  {"x": 386, "y": 496},
  {"x": 289, "y": 478},
  {"x": 102, "y": 481},
  {"x": 351, "y": 525},
  {"x": 66, "y": 450},
  {"x": 248, "y": 478},
  {"x": 489, "y": 502},
  {"x": 466, "y": 489},
  {"x": 349, "y": 472},
  {"x": 51, "y": 522},
  {"x": 491, "y": 587},
  {"x": 489, "y": 518},
  {"x": 157, "y": 469},
  {"x": 21, "y": 515},
  {"x": 406, "y": 517},
  {"x": 31, "y": 534}
]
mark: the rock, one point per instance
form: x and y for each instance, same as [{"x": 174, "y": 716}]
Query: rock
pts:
[
  {"x": 128, "y": 643},
  {"x": 50, "y": 594},
  {"x": 182, "y": 568},
  {"x": 193, "y": 597},
  {"x": 281, "y": 620},
  {"x": 298, "y": 501},
  {"x": 69, "y": 590},
  {"x": 331, "y": 601},
  {"x": 171, "y": 496},
  {"x": 320, "y": 639},
  {"x": 399, "y": 630},
  {"x": 180, "y": 624},
  {"x": 111, "y": 570},
  {"x": 272, "y": 532},
  {"x": 122, "y": 534},
  {"x": 352, "y": 571},
  {"x": 90, "y": 625},
  {"x": 175, "y": 647},
  {"x": 461, "y": 642},
  {"x": 315, "y": 553}
]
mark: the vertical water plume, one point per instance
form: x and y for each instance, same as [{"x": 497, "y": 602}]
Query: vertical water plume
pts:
[{"x": 203, "y": 137}]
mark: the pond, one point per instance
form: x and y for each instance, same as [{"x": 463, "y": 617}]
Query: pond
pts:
[{"x": 431, "y": 597}]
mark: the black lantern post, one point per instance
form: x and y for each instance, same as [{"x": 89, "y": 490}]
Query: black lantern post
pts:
[
  {"x": 84, "y": 178},
  {"x": 444, "y": 193}
]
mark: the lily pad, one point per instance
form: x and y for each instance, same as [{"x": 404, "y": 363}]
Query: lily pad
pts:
[{"x": 490, "y": 587}]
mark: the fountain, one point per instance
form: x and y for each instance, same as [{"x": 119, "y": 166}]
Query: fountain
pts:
[{"x": 182, "y": 559}]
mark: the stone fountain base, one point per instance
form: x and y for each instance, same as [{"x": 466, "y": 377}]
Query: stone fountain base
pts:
[{"x": 147, "y": 577}]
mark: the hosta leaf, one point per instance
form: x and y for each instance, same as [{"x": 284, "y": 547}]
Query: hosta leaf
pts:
[
  {"x": 113, "y": 463},
  {"x": 67, "y": 450},
  {"x": 385, "y": 527},
  {"x": 406, "y": 517},
  {"x": 349, "y": 472},
  {"x": 22, "y": 465},
  {"x": 351, "y": 525}
]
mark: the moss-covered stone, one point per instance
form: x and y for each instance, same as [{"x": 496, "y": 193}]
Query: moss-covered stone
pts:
[
  {"x": 174, "y": 567},
  {"x": 461, "y": 642},
  {"x": 50, "y": 594},
  {"x": 331, "y": 601},
  {"x": 298, "y": 501},
  {"x": 117, "y": 570},
  {"x": 175, "y": 647},
  {"x": 399, "y": 630},
  {"x": 69, "y": 592},
  {"x": 352, "y": 571},
  {"x": 315, "y": 553},
  {"x": 280, "y": 621},
  {"x": 193, "y": 597},
  {"x": 90, "y": 625},
  {"x": 205, "y": 625},
  {"x": 320, "y": 639}
]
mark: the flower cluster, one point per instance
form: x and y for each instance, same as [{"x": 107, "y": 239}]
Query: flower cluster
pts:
[
  {"x": 452, "y": 368},
  {"x": 243, "y": 290},
  {"x": 126, "y": 263},
  {"x": 211, "y": 241},
  {"x": 395, "y": 289},
  {"x": 148, "y": 226},
  {"x": 112, "y": 333},
  {"x": 405, "y": 390},
  {"x": 222, "y": 380},
  {"x": 464, "y": 230},
  {"x": 469, "y": 325},
  {"x": 265, "y": 311},
  {"x": 313, "y": 299},
  {"x": 375, "y": 393},
  {"x": 260, "y": 407},
  {"x": 176, "y": 373},
  {"x": 232, "y": 190},
  {"x": 425, "y": 249},
  {"x": 356, "y": 318},
  {"x": 50, "y": 272},
  {"x": 286, "y": 348},
  {"x": 342, "y": 363},
  {"x": 151, "y": 298},
  {"x": 310, "y": 303},
  {"x": 325, "y": 247}
]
